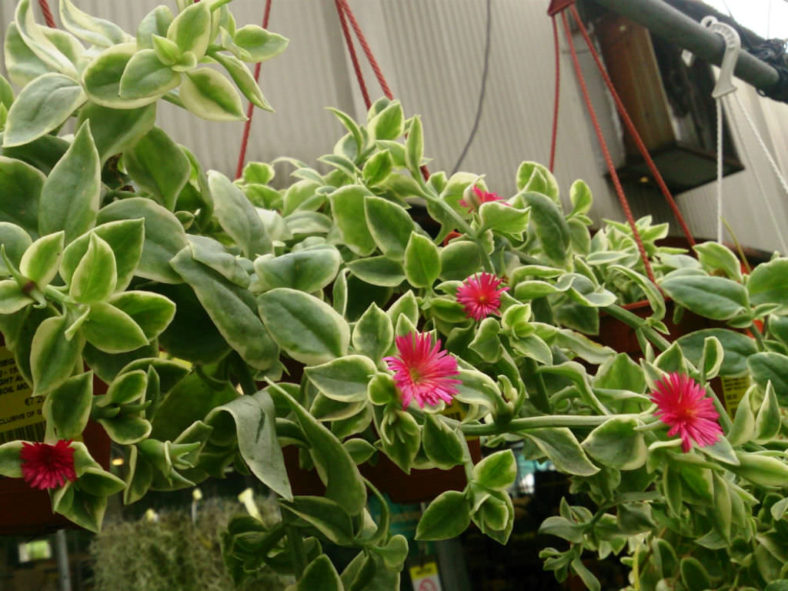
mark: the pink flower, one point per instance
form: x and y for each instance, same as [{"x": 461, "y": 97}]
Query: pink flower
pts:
[
  {"x": 684, "y": 406},
  {"x": 422, "y": 371},
  {"x": 47, "y": 466},
  {"x": 480, "y": 295},
  {"x": 475, "y": 203}
]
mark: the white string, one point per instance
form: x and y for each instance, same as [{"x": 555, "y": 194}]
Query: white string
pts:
[
  {"x": 773, "y": 164},
  {"x": 718, "y": 101}
]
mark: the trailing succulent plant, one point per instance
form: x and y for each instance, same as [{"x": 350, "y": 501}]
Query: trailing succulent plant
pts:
[{"x": 343, "y": 309}]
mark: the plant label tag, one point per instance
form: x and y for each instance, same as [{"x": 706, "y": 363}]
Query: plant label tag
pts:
[
  {"x": 733, "y": 389},
  {"x": 20, "y": 411},
  {"x": 425, "y": 577}
]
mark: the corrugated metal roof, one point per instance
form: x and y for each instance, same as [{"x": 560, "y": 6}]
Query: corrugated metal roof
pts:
[{"x": 432, "y": 54}]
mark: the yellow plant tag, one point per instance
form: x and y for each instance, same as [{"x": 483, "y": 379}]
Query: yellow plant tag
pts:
[
  {"x": 20, "y": 411},
  {"x": 733, "y": 389}
]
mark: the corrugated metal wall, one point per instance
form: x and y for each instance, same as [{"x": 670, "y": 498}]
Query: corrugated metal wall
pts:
[{"x": 432, "y": 54}]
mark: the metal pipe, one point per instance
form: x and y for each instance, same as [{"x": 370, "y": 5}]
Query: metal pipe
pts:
[
  {"x": 676, "y": 27},
  {"x": 61, "y": 558}
]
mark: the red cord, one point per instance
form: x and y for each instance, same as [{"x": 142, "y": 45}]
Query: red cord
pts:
[
  {"x": 352, "y": 51},
  {"x": 554, "y": 136},
  {"x": 365, "y": 46},
  {"x": 622, "y": 198},
  {"x": 47, "y": 14},
  {"x": 250, "y": 109},
  {"x": 633, "y": 131}
]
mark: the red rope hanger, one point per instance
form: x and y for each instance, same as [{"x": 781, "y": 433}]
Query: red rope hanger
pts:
[
  {"x": 239, "y": 169},
  {"x": 622, "y": 198}
]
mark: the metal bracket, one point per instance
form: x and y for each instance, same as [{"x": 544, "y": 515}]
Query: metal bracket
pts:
[{"x": 732, "y": 47}]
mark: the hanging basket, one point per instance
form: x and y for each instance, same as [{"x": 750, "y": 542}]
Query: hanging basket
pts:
[
  {"x": 24, "y": 510},
  {"x": 622, "y": 338}
]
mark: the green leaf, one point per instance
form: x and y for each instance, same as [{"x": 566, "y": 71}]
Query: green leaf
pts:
[
  {"x": 459, "y": 260},
  {"x": 496, "y": 471},
  {"x": 164, "y": 235},
  {"x": 125, "y": 238},
  {"x": 151, "y": 311},
  {"x": 422, "y": 261},
  {"x": 581, "y": 198},
  {"x": 390, "y": 226},
  {"x": 373, "y": 333},
  {"x": 254, "y": 418},
  {"x": 563, "y": 528},
  {"x": 52, "y": 356},
  {"x": 617, "y": 444},
  {"x": 42, "y": 258},
  {"x": 388, "y": 124},
  {"x": 43, "y": 105},
  {"x": 101, "y": 78},
  {"x": 762, "y": 470},
  {"x": 12, "y": 299},
  {"x": 694, "y": 575},
  {"x": 347, "y": 205},
  {"x": 306, "y": 270},
  {"x": 325, "y": 515},
  {"x": 377, "y": 168},
  {"x": 334, "y": 464},
  {"x": 96, "y": 31},
  {"x": 145, "y": 76},
  {"x": 550, "y": 225},
  {"x": 718, "y": 257},
  {"x": 736, "y": 349},
  {"x": 320, "y": 574},
  {"x": 67, "y": 407},
  {"x": 446, "y": 517},
  {"x": 15, "y": 242},
  {"x": 243, "y": 79},
  {"x": 536, "y": 178},
  {"x": 232, "y": 310},
  {"x": 125, "y": 389},
  {"x": 442, "y": 444},
  {"x": 768, "y": 283},
  {"x": 156, "y": 22},
  {"x": 344, "y": 379},
  {"x": 743, "y": 422},
  {"x": 254, "y": 44},
  {"x": 158, "y": 166},
  {"x": 768, "y": 420},
  {"x": 112, "y": 330},
  {"x": 500, "y": 217},
  {"x": 20, "y": 186},
  {"x": 712, "y": 297},
  {"x": 119, "y": 128},
  {"x": 95, "y": 276},
  {"x": 191, "y": 29},
  {"x": 238, "y": 216},
  {"x": 126, "y": 430},
  {"x": 561, "y": 447},
  {"x": 70, "y": 195},
  {"x": 308, "y": 329},
  {"x": 414, "y": 146},
  {"x": 379, "y": 270},
  {"x": 209, "y": 95},
  {"x": 22, "y": 64},
  {"x": 10, "y": 460},
  {"x": 766, "y": 367}
]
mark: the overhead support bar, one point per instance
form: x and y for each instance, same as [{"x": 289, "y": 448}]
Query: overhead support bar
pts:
[{"x": 674, "y": 26}]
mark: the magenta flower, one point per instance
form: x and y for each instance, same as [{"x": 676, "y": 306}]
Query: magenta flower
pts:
[
  {"x": 480, "y": 295},
  {"x": 47, "y": 466},
  {"x": 422, "y": 371},
  {"x": 684, "y": 406},
  {"x": 480, "y": 197}
]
